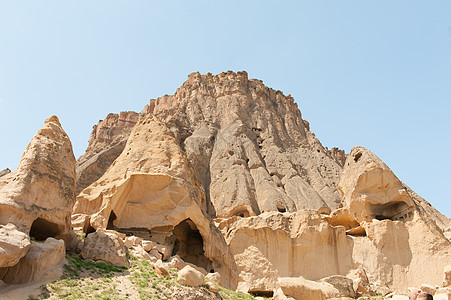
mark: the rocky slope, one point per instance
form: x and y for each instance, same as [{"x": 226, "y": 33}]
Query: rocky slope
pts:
[{"x": 223, "y": 177}]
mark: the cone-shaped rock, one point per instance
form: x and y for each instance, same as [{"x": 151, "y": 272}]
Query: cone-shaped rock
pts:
[{"x": 39, "y": 195}]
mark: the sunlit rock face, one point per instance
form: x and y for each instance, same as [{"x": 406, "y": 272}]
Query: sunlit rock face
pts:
[
  {"x": 39, "y": 195},
  {"x": 227, "y": 175}
]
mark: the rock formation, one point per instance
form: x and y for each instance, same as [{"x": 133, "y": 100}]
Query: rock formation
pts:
[
  {"x": 38, "y": 197},
  {"x": 150, "y": 191},
  {"x": 35, "y": 206},
  {"x": 4, "y": 172},
  {"x": 105, "y": 144},
  {"x": 224, "y": 177}
]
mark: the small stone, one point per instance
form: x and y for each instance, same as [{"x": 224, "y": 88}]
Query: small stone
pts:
[
  {"x": 211, "y": 287},
  {"x": 190, "y": 276},
  {"x": 161, "y": 269}
]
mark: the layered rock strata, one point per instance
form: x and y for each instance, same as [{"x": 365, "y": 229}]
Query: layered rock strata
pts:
[{"x": 105, "y": 144}]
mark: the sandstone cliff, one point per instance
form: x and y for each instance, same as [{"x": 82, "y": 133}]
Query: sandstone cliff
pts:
[{"x": 105, "y": 144}]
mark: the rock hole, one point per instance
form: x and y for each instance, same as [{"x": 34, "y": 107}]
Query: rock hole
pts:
[
  {"x": 357, "y": 157},
  {"x": 89, "y": 229},
  {"x": 317, "y": 151},
  {"x": 231, "y": 152},
  {"x": 282, "y": 209},
  {"x": 391, "y": 211},
  {"x": 266, "y": 294},
  {"x": 189, "y": 244},
  {"x": 111, "y": 219},
  {"x": 212, "y": 270},
  {"x": 42, "y": 229}
]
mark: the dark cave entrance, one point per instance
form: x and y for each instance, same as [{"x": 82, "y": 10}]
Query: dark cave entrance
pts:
[
  {"x": 41, "y": 229},
  {"x": 189, "y": 244},
  {"x": 111, "y": 219},
  {"x": 392, "y": 211}
]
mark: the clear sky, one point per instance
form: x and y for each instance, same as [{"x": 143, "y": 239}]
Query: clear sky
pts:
[{"x": 370, "y": 73}]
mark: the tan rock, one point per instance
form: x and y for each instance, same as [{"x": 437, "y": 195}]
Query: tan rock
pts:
[
  {"x": 4, "y": 172},
  {"x": 147, "y": 245},
  {"x": 105, "y": 246},
  {"x": 306, "y": 245},
  {"x": 211, "y": 287},
  {"x": 164, "y": 250},
  {"x": 447, "y": 276},
  {"x": 257, "y": 156},
  {"x": 161, "y": 269},
  {"x": 132, "y": 241},
  {"x": 41, "y": 257},
  {"x": 215, "y": 277},
  {"x": 151, "y": 187},
  {"x": 427, "y": 288},
  {"x": 38, "y": 196},
  {"x": 156, "y": 254},
  {"x": 300, "y": 289},
  {"x": 105, "y": 144},
  {"x": 139, "y": 252},
  {"x": 176, "y": 262},
  {"x": 343, "y": 284},
  {"x": 190, "y": 276},
  {"x": 14, "y": 244}
]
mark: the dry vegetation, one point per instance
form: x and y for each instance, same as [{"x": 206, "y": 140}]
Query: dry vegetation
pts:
[{"x": 98, "y": 280}]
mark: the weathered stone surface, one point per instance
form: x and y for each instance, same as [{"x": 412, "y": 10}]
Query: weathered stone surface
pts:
[
  {"x": 41, "y": 257},
  {"x": 106, "y": 143},
  {"x": 447, "y": 276},
  {"x": 14, "y": 245},
  {"x": 402, "y": 254},
  {"x": 250, "y": 148},
  {"x": 274, "y": 245},
  {"x": 38, "y": 196},
  {"x": 190, "y": 276},
  {"x": 211, "y": 287},
  {"x": 161, "y": 269},
  {"x": 301, "y": 289},
  {"x": 343, "y": 284},
  {"x": 150, "y": 191},
  {"x": 106, "y": 247},
  {"x": 4, "y": 172},
  {"x": 132, "y": 241},
  {"x": 215, "y": 277}
]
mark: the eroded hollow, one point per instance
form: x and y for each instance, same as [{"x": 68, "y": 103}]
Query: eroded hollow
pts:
[
  {"x": 266, "y": 294},
  {"x": 189, "y": 245},
  {"x": 393, "y": 211},
  {"x": 41, "y": 229},
  {"x": 111, "y": 219}
]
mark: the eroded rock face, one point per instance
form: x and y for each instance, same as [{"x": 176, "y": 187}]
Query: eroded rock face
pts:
[
  {"x": 4, "y": 172},
  {"x": 41, "y": 257},
  {"x": 276, "y": 245},
  {"x": 151, "y": 192},
  {"x": 105, "y": 246},
  {"x": 250, "y": 148},
  {"x": 38, "y": 196},
  {"x": 14, "y": 244},
  {"x": 106, "y": 143}
]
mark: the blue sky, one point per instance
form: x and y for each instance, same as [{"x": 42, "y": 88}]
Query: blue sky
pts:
[{"x": 370, "y": 73}]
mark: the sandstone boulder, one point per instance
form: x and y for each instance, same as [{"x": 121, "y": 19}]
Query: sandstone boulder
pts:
[
  {"x": 343, "y": 284},
  {"x": 41, "y": 257},
  {"x": 161, "y": 269},
  {"x": 215, "y": 277},
  {"x": 132, "y": 241},
  {"x": 105, "y": 246},
  {"x": 14, "y": 244},
  {"x": 300, "y": 289},
  {"x": 190, "y": 276},
  {"x": 211, "y": 287}
]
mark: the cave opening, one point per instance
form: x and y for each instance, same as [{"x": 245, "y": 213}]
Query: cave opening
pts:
[
  {"x": 41, "y": 229},
  {"x": 189, "y": 244},
  {"x": 395, "y": 211},
  {"x": 265, "y": 294},
  {"x": 111, "y": 219}
]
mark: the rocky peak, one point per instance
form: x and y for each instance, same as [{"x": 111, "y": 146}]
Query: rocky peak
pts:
[
  {"x": 4, "y": 172},
  {"x": 106, "y": 142},
  {"x": 42, "y": 189}
]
